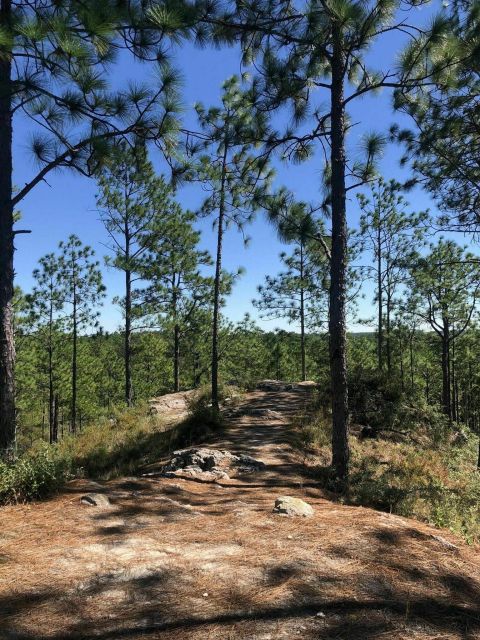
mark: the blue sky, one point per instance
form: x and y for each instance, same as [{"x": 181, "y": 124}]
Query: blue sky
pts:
[{"x": 67, "y": 203}]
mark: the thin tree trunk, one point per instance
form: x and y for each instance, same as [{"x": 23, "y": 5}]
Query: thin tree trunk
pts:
[
  {"x": 54, "y": 431},
  {"x": 218, "y": 276},
  {"x": 338, "y": 270},
  {"x": 402, "y": 372},
  {"x": 302, "y": 315},
  {"x": 453, "y": 376},
  {"x": 446, "y": 398},
  {"x": 388, "y": 342},
  {"x": 7, "y": 344},
  {"x": 176, "y": 357},
  {"x": 128, "y": 338},
  {"x": 379, "y": 300},
  {"x": 411, "y": 363},
  {"x": 51, "y": 392},
  {"x": 176, "y": 334},
  {"x": 73, "y": 426}
]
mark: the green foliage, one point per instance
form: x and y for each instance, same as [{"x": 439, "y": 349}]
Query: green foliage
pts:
[
  {"x": 35, "y": 475},
  {"x": 403, "y": 480},
  {"x": 61, "y": 52},
  {"x": 299, "y": 292},
  {"x": 443, "y": 147},
  {"x": 431, "y": 481}
]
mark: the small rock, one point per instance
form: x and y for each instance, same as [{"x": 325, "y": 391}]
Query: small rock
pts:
[
  {"x": 320, "y": 614},
  {"x": 95, "y": 500},
  {"x": 445, "y": 543},
  {"x": 289, "y": 506},
  {"x": 205, "y": 595}
]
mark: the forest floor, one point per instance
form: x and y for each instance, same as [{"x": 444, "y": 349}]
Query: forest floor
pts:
[{"x": 175, "y": 558}]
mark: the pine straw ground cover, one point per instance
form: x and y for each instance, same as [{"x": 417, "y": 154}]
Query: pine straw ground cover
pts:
[{"x": 173, "y": 558}]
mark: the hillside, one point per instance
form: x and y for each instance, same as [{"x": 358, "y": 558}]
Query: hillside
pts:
[{"x": 186, "y": 558}]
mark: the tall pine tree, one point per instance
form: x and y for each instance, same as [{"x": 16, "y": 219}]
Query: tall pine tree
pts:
[
  {"x": 83, "y": 290},
  {"x": 54, "y": 62}
]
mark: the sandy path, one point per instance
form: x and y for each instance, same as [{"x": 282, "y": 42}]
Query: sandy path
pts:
[{"x": 180, "y": 559}]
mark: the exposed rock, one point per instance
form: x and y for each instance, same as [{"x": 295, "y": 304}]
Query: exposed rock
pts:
[
  {"x": 289, "y": 506},
  {"x": 209, "y": 465},
  {"x": 172, "y": 403},
  {"x": 95, "y": 500},
  {"x": 281, "y": 385},
  {"x": 445, "y": 543}
]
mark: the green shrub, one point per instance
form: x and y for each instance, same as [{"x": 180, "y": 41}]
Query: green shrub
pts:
[
  {"x": 376, "y": 400},
  {"x": 35, "y": 475}
]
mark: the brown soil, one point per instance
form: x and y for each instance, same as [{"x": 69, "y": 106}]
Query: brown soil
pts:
[{"x": 175, "y": 558}]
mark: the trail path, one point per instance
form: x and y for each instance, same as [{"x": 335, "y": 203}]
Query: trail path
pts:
[{"x": 173, "y": 558}]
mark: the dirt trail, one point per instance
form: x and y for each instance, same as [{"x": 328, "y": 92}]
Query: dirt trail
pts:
[{"x": 174, "y": 558}]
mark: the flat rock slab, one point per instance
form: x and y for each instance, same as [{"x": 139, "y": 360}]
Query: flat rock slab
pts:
[
  {"x": 95, "y": 500},
  {"x": 289, "y": 506},
  {"x": 209, "y": 465}
]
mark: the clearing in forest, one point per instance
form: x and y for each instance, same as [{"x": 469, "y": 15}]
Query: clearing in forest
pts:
[{"x": 180, "y": 558}]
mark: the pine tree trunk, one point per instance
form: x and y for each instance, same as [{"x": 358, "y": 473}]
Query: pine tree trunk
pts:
[
  {"x": 388, "y": 342},
  {"x": 128, "y": 338},
  {"x": 176, "y": 357},
  {"x": 453, "y": 384},
  {"x": 216, "y": 294},
  {"x": 51, "y": 392},
  {"x": 54, "y": 427},
  {"x": 412, "y": 371},
  {"x": 338, "y": 270},
  {"x": 379, "y": 300},
  {"x": 7, "y": 345},
  {"x": 73, "y": 426},
  {"x": 402, "y": 372},
  {"x": 302, "y": 315},
  {"x": 447, "y": 408},
  {"x": 216, "y": 309}
]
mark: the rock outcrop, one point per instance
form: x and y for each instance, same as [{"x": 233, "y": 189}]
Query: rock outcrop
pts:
[{"x": 209, "y": 465}]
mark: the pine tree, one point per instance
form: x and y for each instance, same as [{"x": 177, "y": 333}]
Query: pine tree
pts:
[
  {"x": 298, "y": 293},
  {"x": 311, "y": 56},
  {"x": 446, "y": 288},
  {"x": 177, "y": 289},
  {"x": 54, "y": 61},
  {"x": 131, "y": 198},
  {"x": 46, "y": 303},
  {"x": 391, "y": 235},
  {"x": 83, "y": 291},
  {"x": 236, "y": 180}
]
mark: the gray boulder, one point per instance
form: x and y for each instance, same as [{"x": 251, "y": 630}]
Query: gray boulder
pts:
[{"x": 289, "y": 506}]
